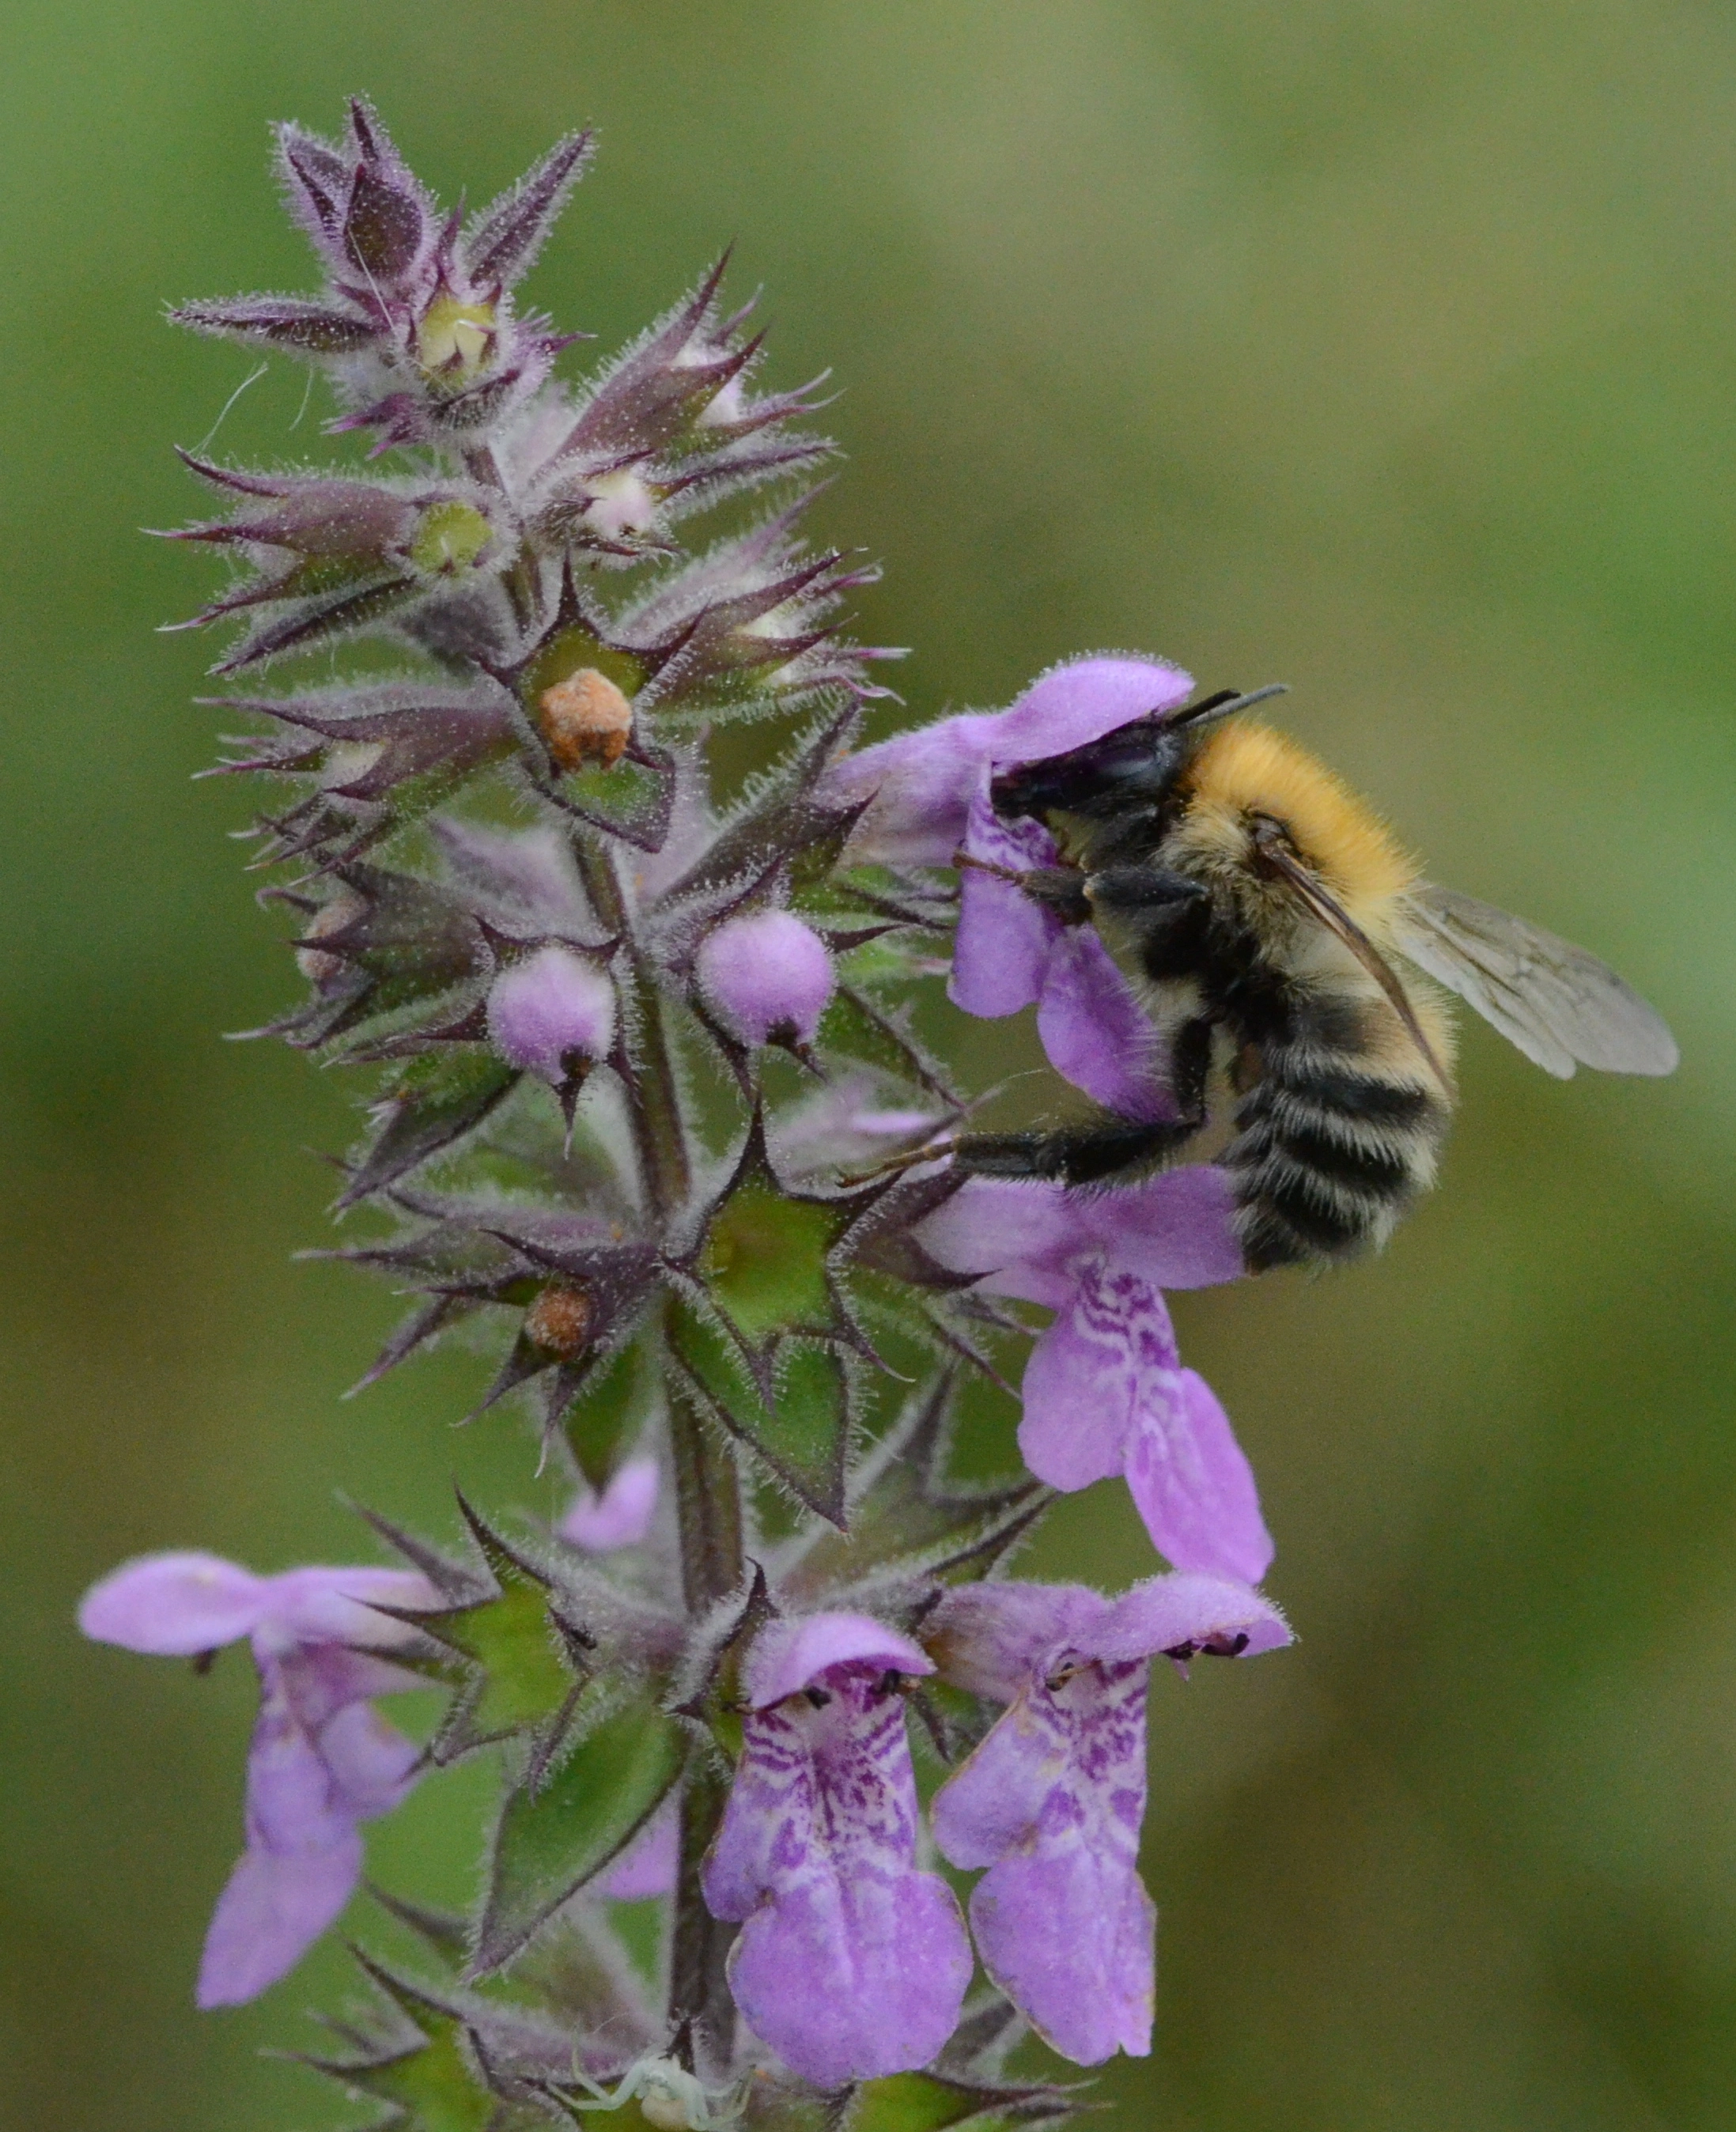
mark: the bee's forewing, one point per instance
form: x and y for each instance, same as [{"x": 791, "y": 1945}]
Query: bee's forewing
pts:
[{"x": 1557, "y": 1003}]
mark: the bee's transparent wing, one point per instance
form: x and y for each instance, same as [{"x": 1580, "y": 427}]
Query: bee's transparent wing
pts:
[{"x": 1559, "y": 1005}]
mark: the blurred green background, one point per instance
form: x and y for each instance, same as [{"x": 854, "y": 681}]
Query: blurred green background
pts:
[{"x": 1384, "y": 345}]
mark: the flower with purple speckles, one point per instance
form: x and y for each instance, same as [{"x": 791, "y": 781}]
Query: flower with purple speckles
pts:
[
  {"x": 1052, "y": 1800},
  {"x": 322, "y": 1762},
  {"x": 550, "y": 1011},
  {"x": 767, "y": 978},
  {"x": 851, "y": 1963},
  {"x": 918, "y": 786},
  {"x": 1104, "y": 1390}
]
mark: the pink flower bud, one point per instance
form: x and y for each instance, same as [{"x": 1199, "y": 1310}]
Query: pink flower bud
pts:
[
  {"x": 767, "y": 976},
  {"x": 547, "y": 1008}
]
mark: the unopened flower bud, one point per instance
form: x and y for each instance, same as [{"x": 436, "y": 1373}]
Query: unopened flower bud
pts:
[
  {"x": 619, "y": 503},
  {"x": 585, "y": 718},
  {"x": 767, "y": 978},
  {"x": 553, "y": 1007},
  {"x": 559, "y": 1321},
  {"x": 455, "y": 340},
  {"x": 314, "y": 963},
  {"x": 451, "y": 537}
]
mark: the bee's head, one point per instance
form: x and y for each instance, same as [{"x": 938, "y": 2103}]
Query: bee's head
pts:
[{"x": 1131, "y": 770}]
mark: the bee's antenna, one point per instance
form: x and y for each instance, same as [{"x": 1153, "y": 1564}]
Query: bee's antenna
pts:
[{"x": 1227, "y": 703}]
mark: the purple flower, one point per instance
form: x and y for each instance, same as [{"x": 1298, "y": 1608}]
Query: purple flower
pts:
[
  {"x": 620, "y": 1515},
  {"x": 1104, "y": 1391},
  {"x": 1011, "y": 951},
  {"x": 919, "y": 786},
  {"x": 549, "y": 1009},
  {"x": 767, "y": 978},
  {"x": 322, "y": 1762},
  {"x": 1051, "y": 1802},
  {"x": 851, "y": 1963}
]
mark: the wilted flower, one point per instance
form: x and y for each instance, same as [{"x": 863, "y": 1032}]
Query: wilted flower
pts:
[
  {"x": 850, "y": 1963},
  {"x": 321, "y": 1761},
  {"x": 767, "y": 978},
  {"x": 1052, "y": 1800},
  {"x": 1104, "y": 1391}
]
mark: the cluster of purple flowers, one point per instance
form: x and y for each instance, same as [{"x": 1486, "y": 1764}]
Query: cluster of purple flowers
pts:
[{"x": 699, "y": 1327}]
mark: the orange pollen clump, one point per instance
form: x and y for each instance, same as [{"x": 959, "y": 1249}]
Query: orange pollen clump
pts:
[
  {"x": 585, "y": 718},
  {"x": 560, "y": 1320}
]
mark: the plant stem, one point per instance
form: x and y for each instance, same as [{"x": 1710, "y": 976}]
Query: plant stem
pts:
[
  {"x": 708, "y": 1483},
  {"x": 650, "y": 1090},
  {"x": 699, "y": 1985}
]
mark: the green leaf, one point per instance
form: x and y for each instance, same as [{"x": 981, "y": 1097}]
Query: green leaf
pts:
[
  {"x": 585, "y": 1812},
  {"x": 567, "y": 652},
  {"x": 437, "y": 1099},
  {"x": 764, "y": 1261},
  {"x": 926, "y": 2102},
  {"x": 907, "y": 1521},
  {"x": 803, "y": 1433},
  {"x": 431, "y": 2086},
  {"x": 607, "y": 1413},
  {"x": 516, "y": 1658},
  {"x": 852, "y": 1027}
]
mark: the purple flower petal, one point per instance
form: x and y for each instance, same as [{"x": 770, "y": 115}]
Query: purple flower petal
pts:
[
  {"x": 1189, "y": 1480},
  {"x": 919, "y": 785},
  {"x": 850, "y": 1963},
  {"x": 1095, "y": 1031},
  {"x": 1028, "y": 1238},
  {"x": 174, "y": 1605},
  {"x": 275, "y": 1907},
  {"x": 1177, "y": 1230},
  {"x": 1086, "y": 1377},
  {"x": 619, "y": 1517},
  {"x": 1167, "y": 1613},
  {"x": 1082, "y": 699},
  {"x": 317, "y": 1606},
  {"x": 293, "y": 1801},
  {"x": 371, "y": 1764},
  {"x": 789, "y": 1655},
  {"x": 1019, "y": 1235},
  {"x": 987, "y": 1639},
  {"x": 1052, "y": 1803},
  {"x": 1005, "y": 939}
]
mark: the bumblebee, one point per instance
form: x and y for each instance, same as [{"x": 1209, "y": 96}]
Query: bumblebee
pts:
[{"x": 1287, "y": 953}]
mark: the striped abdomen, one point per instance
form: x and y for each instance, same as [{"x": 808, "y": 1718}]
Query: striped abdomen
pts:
[{"x": 1331, "y": 1147}]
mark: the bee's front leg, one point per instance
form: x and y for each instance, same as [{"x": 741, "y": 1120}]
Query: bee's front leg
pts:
[{"x": 1060, "y": 889}]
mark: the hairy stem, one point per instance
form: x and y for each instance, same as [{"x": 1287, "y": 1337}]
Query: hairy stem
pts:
[
  {"x": 698, "y": 1986},
  {"x": 651, "y": 1094}
]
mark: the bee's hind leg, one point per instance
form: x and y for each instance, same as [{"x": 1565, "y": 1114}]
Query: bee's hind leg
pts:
[{"x": 1107, "y": 1150}]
